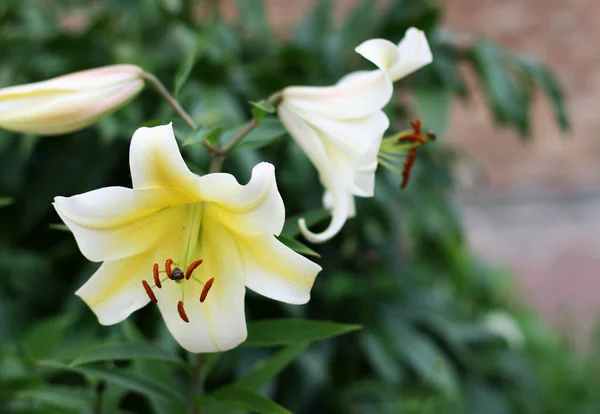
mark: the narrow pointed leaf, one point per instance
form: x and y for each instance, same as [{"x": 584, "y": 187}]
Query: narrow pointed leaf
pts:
[
  {"x": 291, "y": 331},
  {"x": 266, "y": 370},
  {"x": 297, "y": 246},
  {"x": 68, "y": 399},
  {"x": 144, "y": 385},
  {"x": 312, "y": 217},
  {"x": 126, "y": 351},
  {"x": 249, "y": 399},
  {"x": 184, "y": 72}
]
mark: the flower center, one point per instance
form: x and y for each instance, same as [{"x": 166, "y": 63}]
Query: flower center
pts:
[
  {"x": 177, "y": 276},
  {"x": 175, "y": 273}
]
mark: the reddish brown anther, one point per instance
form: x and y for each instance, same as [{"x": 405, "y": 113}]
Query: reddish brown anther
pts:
[
  {"x": 149, "y": 291},
  {"x": 206, "y": 288},
  {"x": 182, "y": 313},
  {"x": 191, "y": 268},
  {"x": 416, "y": 124},
  {"x": 168, "y": 264},
  {"x": 156, "y": 277},
  {"x": 408, "y": 164}
]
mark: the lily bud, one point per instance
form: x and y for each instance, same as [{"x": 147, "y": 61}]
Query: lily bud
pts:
[{"x": 70, "y": 102}]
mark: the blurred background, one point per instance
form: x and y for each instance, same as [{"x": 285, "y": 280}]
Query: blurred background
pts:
[
  {"x": 476, "y": 286},
  {"x": 533, "y": 206}
]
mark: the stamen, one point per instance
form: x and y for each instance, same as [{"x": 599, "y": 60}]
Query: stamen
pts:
[
  {"x": 416, "y": 124},
  {"x": 410, "y": 160},
  {"x": 168, "y": 264},
  {"x": 413, "y": 138},
  {"x": 431, "y": 134},
  {"x": 192, "y": 267},
  {"x": 206, "y": 288},
  {"x": 181, "y": 311},
  {"x": 149, "y": 291},
  {"x": 156, "y": 277}
]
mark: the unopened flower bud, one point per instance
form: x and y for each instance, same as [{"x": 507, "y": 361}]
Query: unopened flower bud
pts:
[{"x": 70, "y": 102}]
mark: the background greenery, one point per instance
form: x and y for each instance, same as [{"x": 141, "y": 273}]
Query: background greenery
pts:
[{"x": 401, "y": 269}]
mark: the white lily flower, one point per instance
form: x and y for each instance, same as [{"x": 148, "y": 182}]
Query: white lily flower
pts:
[
  {"x": 340, "y": 127},
  {"x": 214, "y": 235},
  {"x": 70, "y": 102}
]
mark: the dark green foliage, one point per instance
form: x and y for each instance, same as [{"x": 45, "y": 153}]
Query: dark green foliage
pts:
[{"x": 401, "y": 269}]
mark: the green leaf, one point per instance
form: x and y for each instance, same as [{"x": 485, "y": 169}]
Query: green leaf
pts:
[
  {"x": 44, "y": 337},
  {"x": 261, "y": 109},
  {"x": 6, "y": 201},
  {"x": 432, "y": 106},
  {"x": 507, "y": 99},
  {"x": 59, "y": 227},
  {"x": 184, "y": 72},
  {"x": 69, "y": 399},
  {"x": 203, "y": 133},
  {"x": 253, "y": 15},
  {"x": 297, "y": 246},
  {"x": 312, "y": 217},
  {"x": 126, "y": 351},
  {"x": 268, "y": 131},
  {"x": 551, "y": 88},
  {"x": 266, "y": 370},
  {"x": 249, "y": 399},
  {"x": 275, "y": 332},
  {"x": 423, "y": 355},
  {"x": 380, "y": 359},
  {"x": 315, "y": 28},
  {"x": 133, "y": 381}
]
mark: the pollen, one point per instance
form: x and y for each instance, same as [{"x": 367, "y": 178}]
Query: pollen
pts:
[
  {"x": 182, "y": 313},
  {"x": 156, "y": 276},
  {"x": 191, "y": 268},
  {"x": 149, "y": 291},
  {"x": 206, "y": 288},
  {"x": 168, "y": 264}
]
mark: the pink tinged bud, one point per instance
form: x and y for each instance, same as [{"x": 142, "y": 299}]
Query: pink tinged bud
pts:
[{"x": 70, "y": 102}]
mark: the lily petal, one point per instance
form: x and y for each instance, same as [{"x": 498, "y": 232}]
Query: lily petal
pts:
[
  {"x": 350, "y": 98},
  {"x": 364, "y": 175},
  {"x": 115, "y": 291},
  {"x": 219, "y": 323},
  {"x": 353, "y": 136},
  {"x": 254, "y": 207},
  {"x": 341, "y": 206},
  {"x": 276, "y": 271},
  {"x": 115, "y": 222},
  {"x": 156, "y": 162},
  {"x": 333, "y": 180},
  {"x": 411, "y": 54}
]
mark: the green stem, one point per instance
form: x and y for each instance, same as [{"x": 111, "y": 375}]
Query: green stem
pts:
[
  {"x": 170, "y": 99},
  {"x": 196, "y": 387},
  {"x": 220, "y": 154},
  {"x": 98, "y": 397}
]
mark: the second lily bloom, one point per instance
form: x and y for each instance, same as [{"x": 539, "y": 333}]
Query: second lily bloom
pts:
[{"x": 340, "y": 127}]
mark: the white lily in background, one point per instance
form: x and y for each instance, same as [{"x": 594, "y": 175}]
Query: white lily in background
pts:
[
  {"x": 70, "y": 102},
  {"x": 340, "y": 127},
  {"x": 213, "y": 235}
]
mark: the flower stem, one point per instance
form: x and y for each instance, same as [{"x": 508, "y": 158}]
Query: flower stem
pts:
[
  {"x": 162, "y": 91},
  {"x": 220, "y": 154},
  {"x": 196, "y": 386}
]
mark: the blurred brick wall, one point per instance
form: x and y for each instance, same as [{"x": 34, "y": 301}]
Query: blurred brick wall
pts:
[{"x": 539, "y": 212}]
